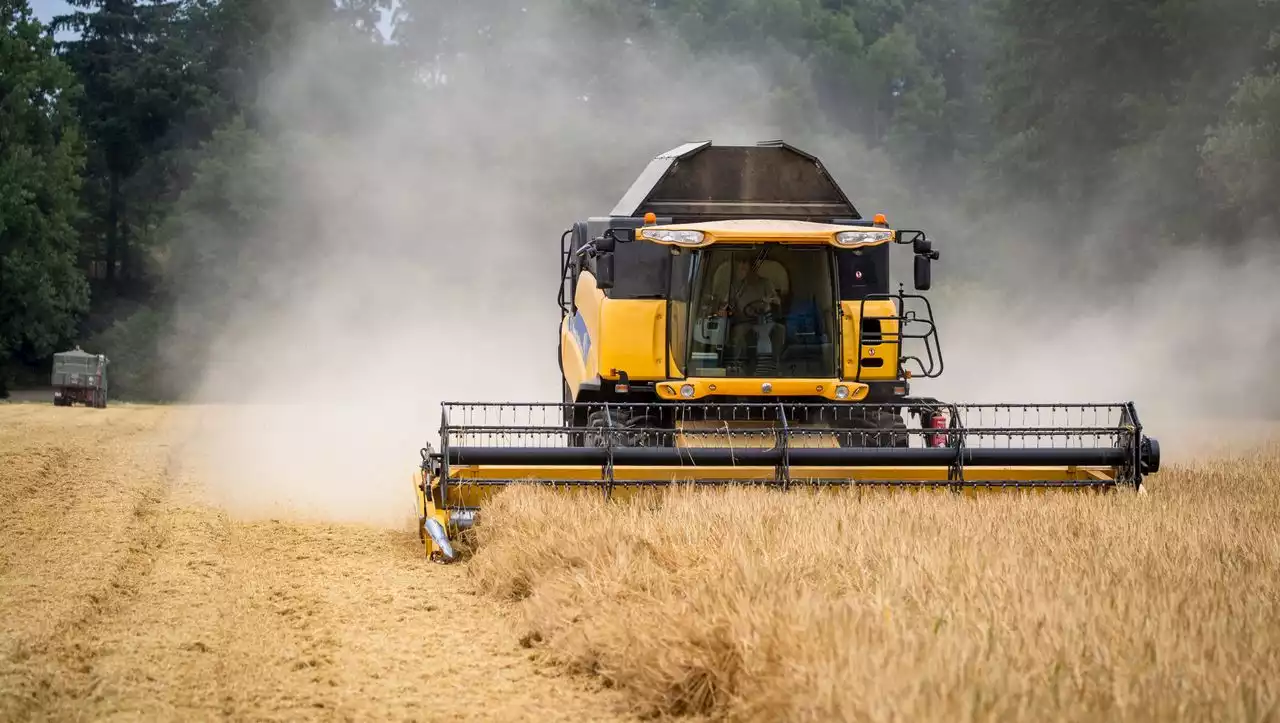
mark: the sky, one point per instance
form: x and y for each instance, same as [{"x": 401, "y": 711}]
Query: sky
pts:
[{"x": 46, "y": 9}]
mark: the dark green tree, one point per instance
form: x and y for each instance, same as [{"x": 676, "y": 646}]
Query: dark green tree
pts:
[
  {"x": 1066, "y": 88},
  {"x": 1241, "y": 155},
  {"x": 140, "y": 78},
  {"x": 42, "y": 293}
]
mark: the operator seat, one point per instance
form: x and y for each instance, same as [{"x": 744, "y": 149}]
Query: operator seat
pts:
[{"x": 777, "y": 273}]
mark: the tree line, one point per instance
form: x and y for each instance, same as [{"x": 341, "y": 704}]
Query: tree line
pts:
[{"x": 149, "y": 120}]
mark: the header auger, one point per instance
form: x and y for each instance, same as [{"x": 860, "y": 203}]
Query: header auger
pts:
[{"x": 731, "y": 322}]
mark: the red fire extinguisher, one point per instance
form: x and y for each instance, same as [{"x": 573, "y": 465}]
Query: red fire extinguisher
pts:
[{"x": 937, "y": 421}]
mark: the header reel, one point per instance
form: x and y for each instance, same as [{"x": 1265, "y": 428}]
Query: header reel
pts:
[{"x": 626, "y": 450}]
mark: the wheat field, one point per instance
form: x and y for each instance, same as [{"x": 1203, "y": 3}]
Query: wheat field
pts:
[
  {"x": 127, "y": 592},
  {"x": 752, "y": 606}
]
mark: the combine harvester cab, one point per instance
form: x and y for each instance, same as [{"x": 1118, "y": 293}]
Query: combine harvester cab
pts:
[{"x": 732, "y": 322}]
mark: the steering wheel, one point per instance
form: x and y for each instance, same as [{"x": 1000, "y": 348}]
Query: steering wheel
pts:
[{"x": 755, "y": 309}]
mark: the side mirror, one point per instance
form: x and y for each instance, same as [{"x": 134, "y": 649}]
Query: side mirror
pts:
[
  {"x": 614, "y": 236},
  {"x": 922, "y": 246},
  {"x": 603, "y": 270},
  {"x": 923, "y": 275},
  {"x": 906, "y": 236}
]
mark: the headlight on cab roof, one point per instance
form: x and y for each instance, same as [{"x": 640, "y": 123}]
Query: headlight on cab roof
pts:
[
  {"x": 672, "y": 236},
  {"x": 862, "y": 238}
]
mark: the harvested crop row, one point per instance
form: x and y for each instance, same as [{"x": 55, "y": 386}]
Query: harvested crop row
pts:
[
  {"x": 125, "y": 594},
  {"x": 750, "y": 605}
]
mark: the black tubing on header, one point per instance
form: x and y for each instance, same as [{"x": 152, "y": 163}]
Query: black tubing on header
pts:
[{"x": 799, "y": 457}]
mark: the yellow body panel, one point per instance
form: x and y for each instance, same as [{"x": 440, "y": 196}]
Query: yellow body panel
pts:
[
  {"x": 574, "y": 365},
  {"x": 887, "y": 351},
  {"x": 605, "y": 336},
  {"x": 719, "y": 387},
  {"x": 636, "y": 339},
  {"x": 424, "y": 492},
  {"x": 580, "y": 334},
  {"x": 768, "y": 230}
]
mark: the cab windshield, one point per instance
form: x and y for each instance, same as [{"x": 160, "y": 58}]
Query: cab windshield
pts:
[{"x": 761, "y": 311}]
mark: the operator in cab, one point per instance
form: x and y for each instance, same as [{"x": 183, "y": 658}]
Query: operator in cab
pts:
[{"x": 750, "y": 301}]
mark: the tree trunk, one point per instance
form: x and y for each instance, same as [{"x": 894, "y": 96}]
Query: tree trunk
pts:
[{"x": 113, "y": 228}]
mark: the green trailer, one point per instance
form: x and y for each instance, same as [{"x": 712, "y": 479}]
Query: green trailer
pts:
[{"x": 80, "y": 377}]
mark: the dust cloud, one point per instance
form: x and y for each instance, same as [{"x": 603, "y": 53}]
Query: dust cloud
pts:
[
  {"x": 1185, "y": 333},
  {"x": 414, "y": 259}
]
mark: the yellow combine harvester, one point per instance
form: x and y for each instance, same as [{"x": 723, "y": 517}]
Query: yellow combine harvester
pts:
[{"x": 731, "y": 321}]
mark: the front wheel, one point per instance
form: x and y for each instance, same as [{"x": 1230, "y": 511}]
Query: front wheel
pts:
[
  {"x": 875, "y": 428},
  {"x": 623, "y": 429},
  {"x": 568, "y": 414}
]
